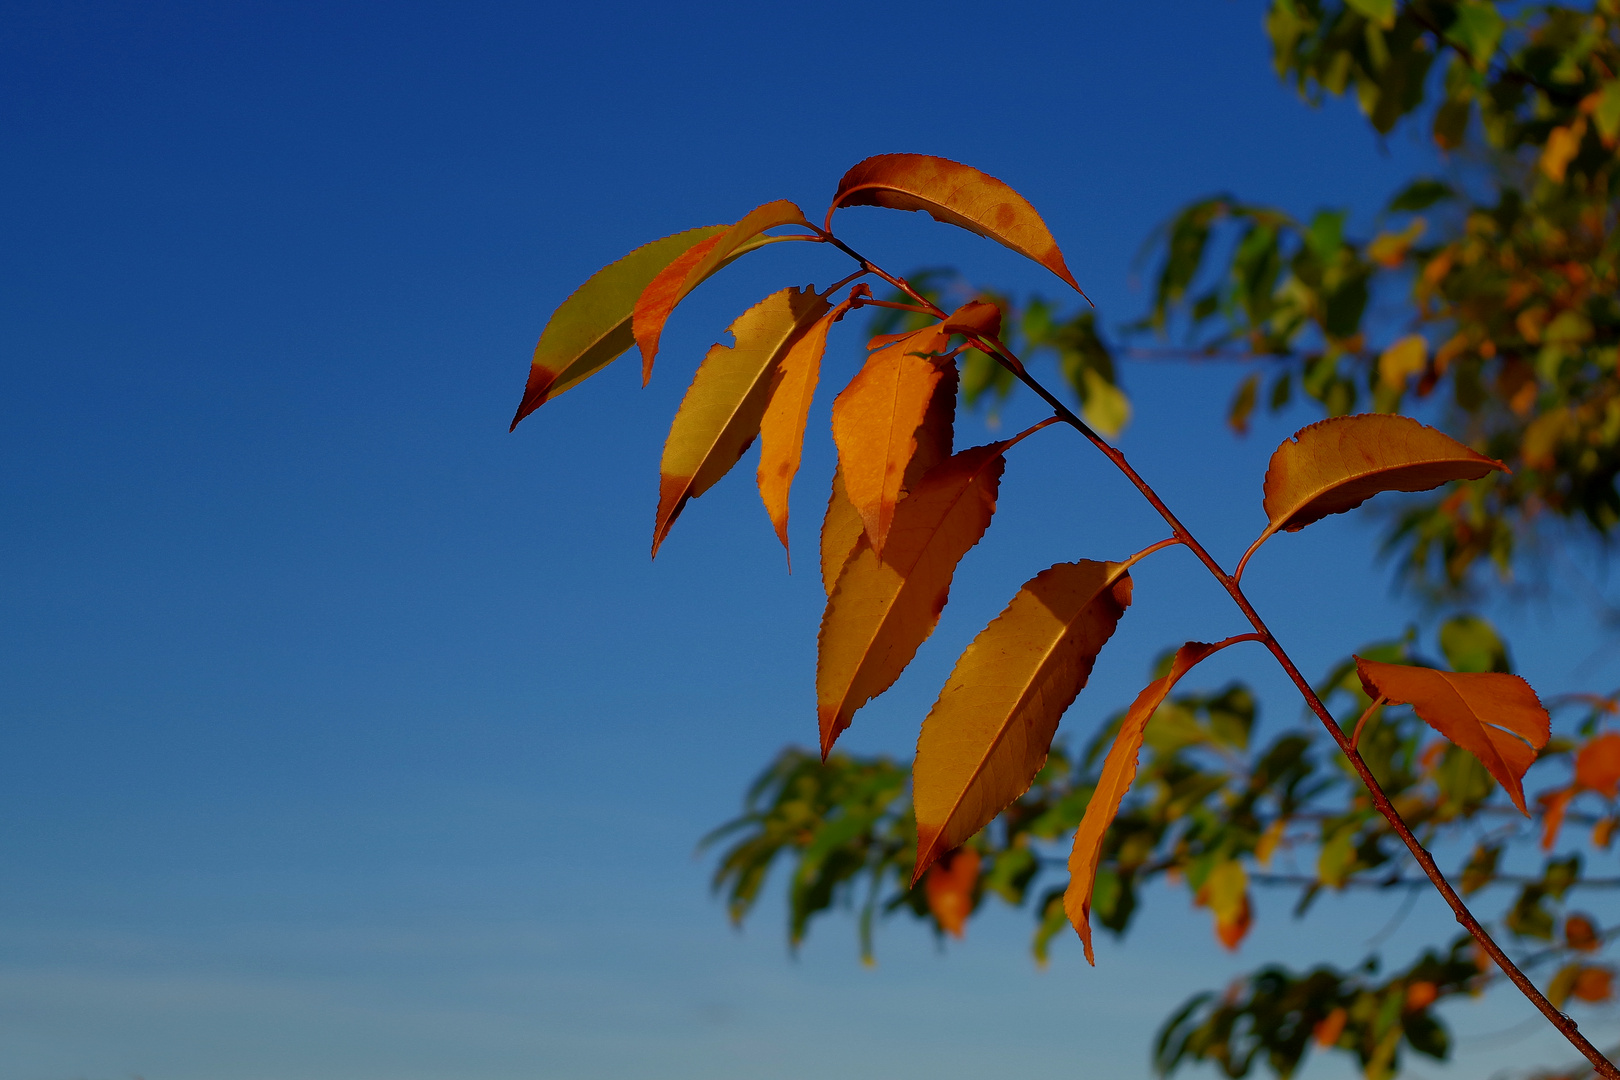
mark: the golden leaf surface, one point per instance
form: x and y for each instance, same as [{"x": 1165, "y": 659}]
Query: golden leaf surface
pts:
[
  {"x": 884, "y": 607},
  {"x": 1495, "y": 717},
  {"x": 593, "y": 326},
  {"x": 949, "y": 889},
  {"x": 956, "y": 194},
  {"x": 1118, "y": 772},
  {"x": 875, "y": 421},
  {"x": 1336, "y": 465},
  {"x": 989, "y": 732},
  {"x": 721, "y": 412},
  {"x": 680, "y": 277}
]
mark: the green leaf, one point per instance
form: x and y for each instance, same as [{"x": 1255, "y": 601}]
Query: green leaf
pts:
[
  {"x": 1381, "y": 12},
  {"x": 1477, "y": 27},
  {"x": 1471, "y": 644},
  {"x": 1420, "y": 195}
]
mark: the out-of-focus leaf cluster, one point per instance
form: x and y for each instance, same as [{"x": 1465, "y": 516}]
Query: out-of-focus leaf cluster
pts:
[{"x": 1221, "y": 813}]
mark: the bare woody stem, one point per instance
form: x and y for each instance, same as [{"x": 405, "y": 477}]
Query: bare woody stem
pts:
[{"x": 1565, "y": 1025}]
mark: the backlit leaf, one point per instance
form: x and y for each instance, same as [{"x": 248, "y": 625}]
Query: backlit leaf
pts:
[
  {"x": 720, "y": 414},
  {"x": 875, "y": 421},
  {"x": 1597, "y": 766},
  {"x": 949, "y": 889},
  {"x": 592, "y": 327},
  {"x": 957, "y": 195},
  {"x": 1118, "y": 771},
  {"x": 883, "y": 608},
  {"x": 697, "y": 265},
  {"x": 1495, "y": 717},
  {"x": 989, "y": 732},
  {"x": 1336, "y": 465}
]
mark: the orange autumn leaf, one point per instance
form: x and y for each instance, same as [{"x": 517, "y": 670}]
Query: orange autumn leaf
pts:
[
  {"x": 1226, "y": 893},
  {"x": 697, "y": 265},
  {"x": 592, "y": 327},
  {"x": 1118, "y": 771},
  {"x": 1336, "y": 465},
  {"x": 1420, "y": 995},
  {"x": 1495, "y": 717},
  {"x": 1580, "y": 934},
  {"x": 956, "y": 194},
  {"x": 884, "y": 607},
  {"x": 720, "y": 414},
  {"x": 1553, "y": 806},
  {"x": 989, "y": 732},
  {"x": 1597, "y": 766},
  {"x": 841, "y": 529},
  {"x": 1330, "y": 1027},
  {"x": 949, "y": 889},
  {"x": 781, "y": 429},
  {"x": 1594, "y": 985},
  {"x": 875, "y": 421}
]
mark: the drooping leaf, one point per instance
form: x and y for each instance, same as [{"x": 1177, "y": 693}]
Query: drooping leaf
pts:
[
  {"x": 1118, "y": 771},
  {"x": 1226, "y": 893},
  {"x": 875, "y": 421},
  {"x": 781, "y": 429},
  {"x": 883, "y": 608},
  {"x": 957, "y": 195},
  {"x": 949, "y": 889},
  {"x": 1336, "y": 465},
  {"x": 697, "y": 265},
  {"x": 720, "y": 414},
  {"x": 1597, "y": 765},
  {"x": 592, "y": 327},
  {"x": 989, "y": 732},
  {"x": 1495, "y": 717},
  {"x": 842, "y": 528}
]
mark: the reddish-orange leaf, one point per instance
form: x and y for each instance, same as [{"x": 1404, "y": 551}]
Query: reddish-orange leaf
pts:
[
  {"x": 1118, "y": 771},
  {"x": 977, "y": 318},
  {"x": 989, "y": 732},
  {"x": 956, "y": 194},
  {"x": 781, "y": 430},
  {"x": 679, "y": 278},
  {"x": 720, "y": 414},
  {"x": 1603, "y": 832},
  {"x": 842, "y": 528},
  {"x": 875, "y": 422},
  {"x": 1594, "y": 985},
  {"x": 1330, "y": 1027},
  {"x": 1553, "y": 806},
  {"x": 1597, "y": 766},
  {"x": 1495, "y": 717},
  {"x": 884, "y": 607},
  {"x": 1420, "y": 995},
  {"x": 592, "y": 327},
  {"x": 1580, "y": 934},
  {"x": 949, "y": 889}
]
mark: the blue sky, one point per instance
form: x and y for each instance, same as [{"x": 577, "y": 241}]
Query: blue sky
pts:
[{"x": 346, "y": 736}]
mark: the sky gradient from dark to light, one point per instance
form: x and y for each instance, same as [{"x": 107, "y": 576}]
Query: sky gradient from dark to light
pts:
[{"x": 346, "y": 736}]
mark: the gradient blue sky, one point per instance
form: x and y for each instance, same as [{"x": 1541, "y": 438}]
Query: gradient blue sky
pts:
[{"x": 345, "y": 736}]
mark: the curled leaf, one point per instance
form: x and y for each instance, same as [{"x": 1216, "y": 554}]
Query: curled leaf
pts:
[
  {"x": 1118, "y": 771},
  {"x": 949, "y": 889},
  {"x": 989, "y": 732},
  {"x": 720, "y": 414},
  {"x": 1495, "y": 717},
  {"x": 781, "y": 429},
  {"x": 956, "y": 194},
  {"x": 701, "y": 262},
  {"x": 593, "y": 326}
]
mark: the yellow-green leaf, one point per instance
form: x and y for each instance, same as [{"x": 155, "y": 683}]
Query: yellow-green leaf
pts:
[{"x": 720, "y": 414}]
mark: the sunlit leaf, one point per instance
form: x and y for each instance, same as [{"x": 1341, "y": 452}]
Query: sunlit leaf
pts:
[
  {"x": 883, "y": 608},
  {"x": 956, "y": 194},
  {"x": 989, "y": 732},
  {"x": 1118, "y": 771},
  {"x": 680, "y": 277},
  {"x": 1226, "y": 893},
  {"x": 592, "y": 327},
  {"x": 1495, "y": 717},
  {"x": 720, "y": 414},
  {"x": 1597, "y": 765},
  {"x": 949, "y": 889}
]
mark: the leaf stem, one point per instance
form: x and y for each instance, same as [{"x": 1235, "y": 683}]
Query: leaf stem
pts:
[
  {"x": 1355, "y": 738},
  {"x": 1168, "y": 541}
]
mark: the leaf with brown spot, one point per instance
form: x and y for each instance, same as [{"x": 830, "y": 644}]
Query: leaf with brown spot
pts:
[
  {"x": 875, "y": 421},
  {"x": 593, "y": 326},
  {"x": 1597, "y": 766},
  {"x": 720, "y": 414},
  {"x": 1118, "y": 771},
  {"x": 697, "y": 265},
  {"x": 989, "y": 732},
  {"x": 1336, "y": 465},
  {"x": 949, "y": 889},
  {"x": 1495, "y": 717},
  {"x": 884, "y": 607},
  {"x": 956, "y": 194}
]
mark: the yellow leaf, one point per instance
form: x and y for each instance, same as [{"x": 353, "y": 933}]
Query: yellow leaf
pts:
[
  {"x": 949, "y": 889},
  {"x": 680, "y": 277},
  {"x": 1266, "y": 847},
  {"x": 989, "y": 732},
  {"x": 883, "y": 608},
  {"x": 1495, "y": 717},
  {"x": 1563, "y": 143},
  {"x": 1118, "y": 771},
  {"x": 592, "y": 327},
  {"x": 875, "y": 421},
  {"x": 720, "y": 414},
  {"x": 1226, "y": 893},
  {"x": 1402, "y": 360},
  {"x": 957, "y": 195}
]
